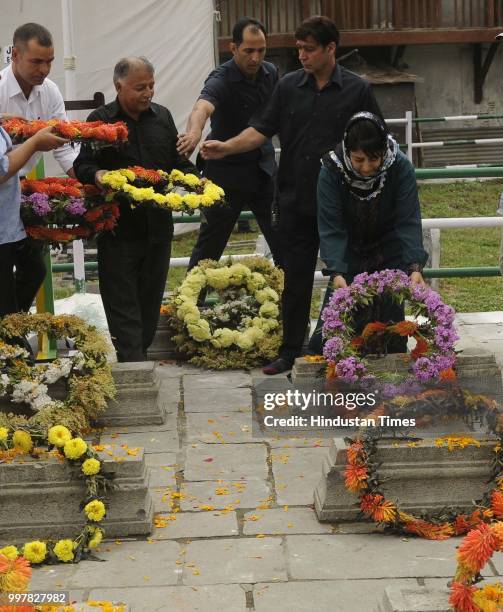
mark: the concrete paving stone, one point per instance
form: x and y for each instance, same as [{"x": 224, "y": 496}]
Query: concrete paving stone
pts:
[
  {"x": 197, "y": 525},
  {"x": 240, "y": 561},
  {"x": 213, "y": 428},
  {"x": 297, "y": 471},
  {"x": 52, "y": 578},
  {"x": 161, "y": 477},
  {"x": 310, "y": 442},
  {"x": 486, "y": 331},
  {"x": 347, "y": 556},
  {"x": 283, "y": 521},
  {"x": 350, "y": 595},
  {"x": 226, "y": 461},
  {"x": 476, "y": 318},
  {"x": 204, "y": 598},
  {"x": 173, "y": 370},
  {"x": 151, "y": 442},
  {"x": 130, "y": 564},
  {"x": 216, "y": 400},
  {"x": 161, "y": 460},
  {"x": 161, "y": 498},
  {"x": 170, "y": 423},
  {"x": 217, "y": 380},
  {"x": 241, "y": 494}
]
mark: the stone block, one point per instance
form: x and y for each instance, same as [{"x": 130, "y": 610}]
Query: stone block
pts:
[
  {"x": 162, "y": 346},
  {"x": 278, "y": 521},
  {"x": 217, "y": 400},
  {"x": 196, "y": 525},
  {"x": 141, "y": 398},
  {"x": 414, "y": 599},
  {"x": 424, "y": 478},
  {"x": 238, "y": 494},
  {"x": 41, "y": 499},
  {"x": 226, "y": 461}
]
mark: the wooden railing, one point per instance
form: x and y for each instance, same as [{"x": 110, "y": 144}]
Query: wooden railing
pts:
[{"x": 282, "y": 16}]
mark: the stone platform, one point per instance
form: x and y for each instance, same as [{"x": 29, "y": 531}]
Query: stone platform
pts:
[
  {"x": 414, "y": 599},
  {"x": 40, "y": 498},
  {"x": 422, "y": 478}
]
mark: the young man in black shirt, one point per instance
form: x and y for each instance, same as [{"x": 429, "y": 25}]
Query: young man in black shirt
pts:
[
  {"x": 308, "y": 110},
  {"x": 133, "y": 260},
  {"x": 232, "y": 94}
]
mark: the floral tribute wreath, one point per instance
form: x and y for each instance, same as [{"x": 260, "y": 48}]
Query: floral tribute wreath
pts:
[
  {"x": 60, "y": 210},
  {"x": 242, "y": 329},
  {"x": 174, "y": 191},
  {"x": 75, "y": 450},
  {"x": 88, "y": 375},
  {"x": 96, "y": 133},
  {"x": 433, "y": 354},
  {"x": 473, "y": 553}
]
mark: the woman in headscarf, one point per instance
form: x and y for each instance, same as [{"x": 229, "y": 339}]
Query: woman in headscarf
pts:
[{"x": 369, "y": 218}]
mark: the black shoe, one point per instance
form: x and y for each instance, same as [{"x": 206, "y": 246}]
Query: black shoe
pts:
[{"x": 278, "y": 366}]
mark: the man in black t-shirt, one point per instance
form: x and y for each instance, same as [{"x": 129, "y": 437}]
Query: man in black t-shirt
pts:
[
  {"x": 309, "y": 109},
  {"x": 232, "y": 94},
  {"x": 133, "y": 260}
]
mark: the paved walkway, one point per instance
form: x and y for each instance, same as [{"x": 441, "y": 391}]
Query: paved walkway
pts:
[{"x": 235, "y": 528}]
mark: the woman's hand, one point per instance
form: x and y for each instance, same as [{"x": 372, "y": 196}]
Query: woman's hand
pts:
[
  {"x": 417, "y": 278},
  {"x": 339, "y": 282}
]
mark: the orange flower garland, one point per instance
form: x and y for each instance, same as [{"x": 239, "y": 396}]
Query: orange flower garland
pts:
[
  {"x": 96, "y": 132},
  {"x": 360, "y": 478},
  {"x": 473, "y": 553}
]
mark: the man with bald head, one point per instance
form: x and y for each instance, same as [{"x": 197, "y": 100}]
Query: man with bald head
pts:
[{"x": 133, "y": 261}]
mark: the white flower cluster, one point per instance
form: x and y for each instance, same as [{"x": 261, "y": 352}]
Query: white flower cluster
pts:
[{"x": 252, "y": 329}]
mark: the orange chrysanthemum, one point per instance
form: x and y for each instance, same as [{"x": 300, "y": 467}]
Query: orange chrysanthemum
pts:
[
  {"x": 497, "y": 503},
  {"x": 355, "y": 478},
  {"x": 447, "y": 375},
  {"x": 461, "y": 597},
  {"x": 429, "y": 531},
  {"x": 404, "y": 328},
  {"x": 373, "y": 328},
  {"x": 15, "y": 574},
  {"x": 356, "y": 454},
  {"x": 477, "y": 547}
]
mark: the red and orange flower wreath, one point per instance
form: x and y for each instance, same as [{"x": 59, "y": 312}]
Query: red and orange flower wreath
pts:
[
  {"x": 97, "y": 133},
  {"x": 361, "y": 475},
  {"x": 474, "y": 552},
  {"x": 58, "y": 210}
]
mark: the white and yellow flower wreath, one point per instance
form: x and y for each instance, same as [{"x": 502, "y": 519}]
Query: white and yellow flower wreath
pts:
[{"x": 236, "y": 275}]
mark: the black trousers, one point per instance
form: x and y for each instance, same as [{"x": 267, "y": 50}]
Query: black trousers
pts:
[
  {"x": 132, "y": 279},
  {"x": 215, "y": 231},
  {"x": 22, "y": 272},
  {"x": 299, "y": 244}
]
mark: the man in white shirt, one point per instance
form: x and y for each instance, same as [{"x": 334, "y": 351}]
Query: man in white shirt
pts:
[{"x": 25, "y": 90}]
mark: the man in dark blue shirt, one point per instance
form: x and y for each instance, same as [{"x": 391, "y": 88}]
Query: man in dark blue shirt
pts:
[
  {"x": 232, "y": 94},
  {"x": 309, "y": 109}
]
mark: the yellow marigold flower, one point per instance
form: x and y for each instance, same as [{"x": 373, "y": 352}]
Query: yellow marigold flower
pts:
[
  {"x": 95, "y": 510},
  {"x": 75, "y": 448},
  {"x": 64, "y": 550},
  {"x": 4, "y": 432},
  {"x": 35, "y": 551},
  {"x": 199, "y": 332},
  {"x": 223, "y": 338},
  {"x": 269, "y": 309},
  {"x": 191, "y": 200},
  {"x": 191, "y": 180},
  {"x": 96, "y": 539},
  {"x": 90, "y": 467},
  {"x": 244, "y": 340},
  {"x": 59, "y": 435},
  {"x": 11, "y": 552},
  {"x": 22, "y": 440},
  {"x": 176, "y": 175}
]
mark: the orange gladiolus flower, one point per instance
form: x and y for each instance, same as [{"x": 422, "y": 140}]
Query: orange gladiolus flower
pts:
[
  {"x": 421, "y": 347},
  {"x": 15, "y": 574},
  {"x": 447, "y": 375},
  {"x": 461, "y": 597},
  {"x": 497, "y": 503},
  {"x": 430, "y": 531},
  {"x": 477, "y": 547},
  {"x": 355, "y": 478},
  {"x": 373, "y": 328},
  {"x": 404, "y": 328}
]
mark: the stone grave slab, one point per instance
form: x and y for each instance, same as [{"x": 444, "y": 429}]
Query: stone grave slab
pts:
[{"x": 41, "y": 498}]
